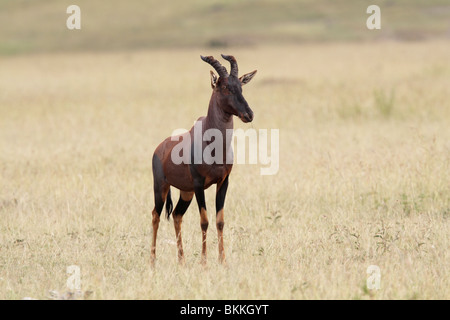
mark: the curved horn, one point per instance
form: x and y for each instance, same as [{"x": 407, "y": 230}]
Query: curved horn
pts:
[
  {"x": 234, "y": 66},
  {"x": 217, "y": 66}
]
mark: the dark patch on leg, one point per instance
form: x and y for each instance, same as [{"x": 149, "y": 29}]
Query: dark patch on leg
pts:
[
  {"x": 182, "y": 206},
  {"x": 199, "y": 190},
  {"x": 221, "y": 194}
]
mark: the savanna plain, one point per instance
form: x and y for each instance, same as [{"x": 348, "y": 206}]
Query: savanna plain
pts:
[{"x": 364, "y": 174}]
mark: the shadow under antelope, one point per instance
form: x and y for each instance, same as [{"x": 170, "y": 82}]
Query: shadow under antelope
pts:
[{"x": 194, "y": 177}]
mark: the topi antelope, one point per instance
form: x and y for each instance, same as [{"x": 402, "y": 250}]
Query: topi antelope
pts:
[{"x": 194, "y": 177}]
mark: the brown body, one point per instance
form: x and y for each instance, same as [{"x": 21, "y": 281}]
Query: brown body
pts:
[
  {"x": 190, "y": 177},
  {"x": 213, "y": 173}
]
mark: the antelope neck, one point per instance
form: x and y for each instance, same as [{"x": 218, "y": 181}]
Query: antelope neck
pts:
[{"x": 217, "y": 118}]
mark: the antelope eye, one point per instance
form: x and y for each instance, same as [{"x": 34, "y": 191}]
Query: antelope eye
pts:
[{"x": 224, "y": 87}]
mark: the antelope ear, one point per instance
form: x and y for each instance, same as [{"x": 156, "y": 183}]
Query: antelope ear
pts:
[
  {"x": 247, "y": 77},
  {"x": 213, "y": 80}
]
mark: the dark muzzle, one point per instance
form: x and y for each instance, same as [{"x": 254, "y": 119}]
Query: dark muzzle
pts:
[{"x": 247, "y": 117}]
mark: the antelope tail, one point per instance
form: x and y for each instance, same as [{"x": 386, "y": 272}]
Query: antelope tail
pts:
[{"x": 169, "y": 205}]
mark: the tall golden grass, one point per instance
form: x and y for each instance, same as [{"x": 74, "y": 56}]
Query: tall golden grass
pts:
[{"x": 363, "y": 180}]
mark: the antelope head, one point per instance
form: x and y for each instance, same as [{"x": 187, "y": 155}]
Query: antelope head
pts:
[{"x": 227, "y": 88}]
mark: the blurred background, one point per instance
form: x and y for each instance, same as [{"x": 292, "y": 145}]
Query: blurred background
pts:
[{"x": 28, "y": 26}]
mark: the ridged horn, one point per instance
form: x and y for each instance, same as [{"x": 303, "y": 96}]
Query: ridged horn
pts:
[
  {"x": 234, "y": 66},
  {"x": 221, "y": 70}
]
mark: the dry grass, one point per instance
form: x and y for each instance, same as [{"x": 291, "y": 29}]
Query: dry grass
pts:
[{"x": 364, "y": 174}]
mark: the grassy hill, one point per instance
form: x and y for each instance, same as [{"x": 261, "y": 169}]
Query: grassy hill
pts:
[{"x": 40, "y": 26}]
